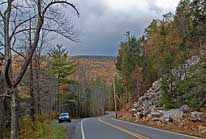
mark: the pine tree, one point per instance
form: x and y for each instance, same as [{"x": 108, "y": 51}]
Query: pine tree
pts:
[{"x": 60, "y": 66}]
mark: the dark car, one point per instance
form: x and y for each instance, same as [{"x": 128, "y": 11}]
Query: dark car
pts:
[{"x": 64, "y": 117}]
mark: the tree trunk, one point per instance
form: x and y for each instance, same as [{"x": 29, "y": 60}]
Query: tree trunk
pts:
[
  {"x": 58, "y": 94},
  {"x": 2, "y": 85},
  {"x": 37, "y": 69},
  {"x": 14, "y": 117},
  {"x": 32, "y": 109},
  {"x": 1, "y": 117}
]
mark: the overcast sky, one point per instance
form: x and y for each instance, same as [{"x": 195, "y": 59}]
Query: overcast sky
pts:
[{"x": 102, "y": 23}]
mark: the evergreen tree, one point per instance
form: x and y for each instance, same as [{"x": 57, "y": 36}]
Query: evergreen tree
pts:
[{"x": 60, "y": 66}]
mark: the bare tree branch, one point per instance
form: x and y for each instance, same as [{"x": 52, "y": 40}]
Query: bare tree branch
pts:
[
  {"x": 60, "y": 33},
  {"x": 17, "y": 52},
  {"x": 19, "y": 25},
  {"x": 40, "y": 22},
  {"x": 2, "y": 16},
  {"x": 59, "y": 2},
  {"x": 7, "y": 15}
]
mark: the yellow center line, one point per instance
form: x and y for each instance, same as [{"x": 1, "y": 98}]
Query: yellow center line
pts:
[{"x": 123, "y": 130}]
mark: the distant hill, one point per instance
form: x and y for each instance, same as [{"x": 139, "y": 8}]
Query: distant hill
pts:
[{"x": 92, "y": 67}]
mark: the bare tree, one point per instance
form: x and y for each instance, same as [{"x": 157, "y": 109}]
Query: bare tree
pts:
[
  {"x": 15, "y": 22},
  {"x": 37, "y": 68}
]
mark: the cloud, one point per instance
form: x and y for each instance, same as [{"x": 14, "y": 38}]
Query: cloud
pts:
[{"x": 103, "y": 23}]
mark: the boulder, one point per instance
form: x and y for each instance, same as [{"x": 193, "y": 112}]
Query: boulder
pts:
[
  {"x": 197, "y": 116},
  {"x": 185, "y": 108},
  {"x": 173, "y": 115},
  {"x": 202, "y": 129},
  {"x": 156, "y": 114}
]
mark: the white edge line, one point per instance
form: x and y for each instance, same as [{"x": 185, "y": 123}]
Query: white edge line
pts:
[
  {"x": 82, "y": 129},
  {"x": 157, "y": 129}
]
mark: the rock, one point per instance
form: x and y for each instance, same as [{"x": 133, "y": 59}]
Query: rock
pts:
[
  {"x": 158, "y": 123},
  {"x": 173, "y": 115},
  {"x": 197, "y": 116},
  {"x": 202, "y": 129},
  {"x": 156, "y": 84},
  {"x": 138, "y": 115},
  {"x": 149, "y": 117},
  {"x": 135, "y": 104},
  {"x": 139, "y": 109},
  {"x": 165, "y": 119},
  {"x": 133, "y": 110},
  {"x": 156, "y": 114},
  {"x": 146, "y": 112},
  {"x": 185, "y": 108},
  {"x": 155, "y": 119}
]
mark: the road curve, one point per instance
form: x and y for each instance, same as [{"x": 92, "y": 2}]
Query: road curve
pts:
[{"x": 107, "y": 127}]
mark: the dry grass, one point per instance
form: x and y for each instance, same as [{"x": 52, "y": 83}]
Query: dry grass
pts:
[{"x": 42, "y": 128}]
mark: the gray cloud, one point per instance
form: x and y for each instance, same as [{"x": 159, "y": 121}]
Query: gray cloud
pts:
[{"x": 101, "y": 28}]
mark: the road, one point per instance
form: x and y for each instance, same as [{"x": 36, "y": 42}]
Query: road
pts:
[{"x": 106, "y": 127}]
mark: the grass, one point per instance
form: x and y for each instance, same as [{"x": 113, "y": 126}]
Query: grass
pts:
[{"x": 41, "y": 129}]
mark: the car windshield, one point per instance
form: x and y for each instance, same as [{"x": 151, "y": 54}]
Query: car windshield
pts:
[{"x": 64, "y": 114}]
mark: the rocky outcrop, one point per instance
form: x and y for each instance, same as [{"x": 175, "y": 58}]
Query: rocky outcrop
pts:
[
  {"x": 150, "y": 100},
  {"x": 149, "y": 107},
  {"x": 180, "y": 71}
]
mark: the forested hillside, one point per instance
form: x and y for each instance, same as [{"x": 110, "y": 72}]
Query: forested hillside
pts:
[
  {"x": 95, "y": 67},
  {"x": 165, "y": 69},
  {"x": 166, "y": 44}
]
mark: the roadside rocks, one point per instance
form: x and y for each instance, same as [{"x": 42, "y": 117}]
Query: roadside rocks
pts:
[
  {"x": 185, "y": 109},
  {"x": 150, "y": 100},
  {"x": 198, "y": 116},
  {"x": 173, "y": 115},
  {"x": 149, "y": 109},
  {"x": 156, "y": 114},
  {"x": 148, "y": 105}
]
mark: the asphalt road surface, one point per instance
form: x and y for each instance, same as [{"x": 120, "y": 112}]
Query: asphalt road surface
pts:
[{"x": 107, "y": 127}]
